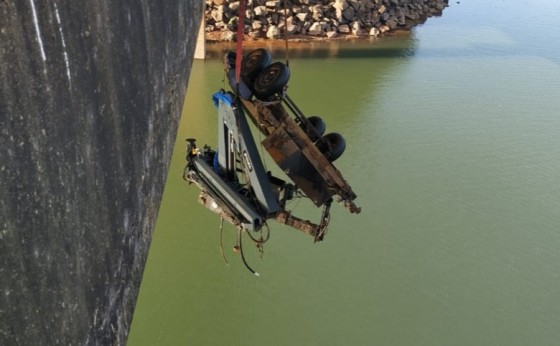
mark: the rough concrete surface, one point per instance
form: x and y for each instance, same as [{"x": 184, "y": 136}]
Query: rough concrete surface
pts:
[{"x": 90, "y": 98}]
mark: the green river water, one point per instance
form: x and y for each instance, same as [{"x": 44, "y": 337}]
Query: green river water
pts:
[{"x": 453, "y": 147}]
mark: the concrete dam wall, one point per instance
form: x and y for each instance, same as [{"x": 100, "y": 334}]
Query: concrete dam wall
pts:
[{"x": 90, "y": 98}]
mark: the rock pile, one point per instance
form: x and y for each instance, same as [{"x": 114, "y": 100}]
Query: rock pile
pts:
[{"x": 318, "y": 18}]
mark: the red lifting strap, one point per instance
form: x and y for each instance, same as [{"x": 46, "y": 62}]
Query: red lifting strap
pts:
[{"x": 240, "y": 33}]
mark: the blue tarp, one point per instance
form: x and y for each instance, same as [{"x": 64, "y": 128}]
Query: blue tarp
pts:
[{"x": 226, "y": 98}]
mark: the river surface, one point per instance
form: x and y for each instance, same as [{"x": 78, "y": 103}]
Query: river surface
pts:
[{"x": 453, "y": 147}]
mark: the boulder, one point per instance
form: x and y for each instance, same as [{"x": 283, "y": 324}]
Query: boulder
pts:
[
  {"x": 349, "y": 13},
  {"x": 260, "y": 10},
  {"x": 315, "y": 29},
  {"x": 344, "y": 29},
  {"x": 317, "y": 12},
  {"x": 292, "y": 28},
  {"x": 340, "y": 4},
  {"x": 256, "y": 25},
  {"x": 234, "y": 6},
  {"x": 374, "y": 32},
  {"x": 338, "y": 15},
  {"x": 412, "y": 15},
  {"x": 368, "y": 5},
  {"x": 229, "y": 36},
  {"x": 401, "y": 19},
  {"x": 356, "y": 28},
  {"x": 302, "y": 16},
  {"x": 255, "y": 35},
  {"x": 273, "y": 4},
  {"x": 273, "y": 32},
  {"x": 217, "y": 15},
  {"x": 391, "y": 23}
]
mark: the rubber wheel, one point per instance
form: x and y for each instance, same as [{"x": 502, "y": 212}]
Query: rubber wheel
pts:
[
  {"x": 272, "y": 80},
  {"x": 253, "y": 63},
  {"x": 319, "y": 126},
  {"x": 332, "y": 145}
]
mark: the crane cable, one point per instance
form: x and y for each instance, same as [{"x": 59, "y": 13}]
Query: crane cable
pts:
[
  {"x": 286, "y": 33},
  {"x": 239, "y": 50}
]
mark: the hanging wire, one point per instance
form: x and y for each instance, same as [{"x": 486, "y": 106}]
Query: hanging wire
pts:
[
  {"x": 296, "y": 200},
  {"x": 221, "y": 240},
  {"x": 240, "y": 242},
  {"x": 261, "y": 240}
]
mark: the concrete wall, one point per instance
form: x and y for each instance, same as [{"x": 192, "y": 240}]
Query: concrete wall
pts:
[{"x": 90, "y": 98}]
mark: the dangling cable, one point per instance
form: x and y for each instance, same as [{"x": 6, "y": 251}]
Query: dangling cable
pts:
[
  {"x": 243, "y": 255},
  {"x": 221, "y": 240},
  {"x": 262, "y": 240}
]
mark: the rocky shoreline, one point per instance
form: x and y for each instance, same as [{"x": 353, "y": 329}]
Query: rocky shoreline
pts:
[{"x": 317, "y": 19}]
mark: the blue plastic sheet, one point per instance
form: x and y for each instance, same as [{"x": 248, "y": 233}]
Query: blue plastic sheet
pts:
[{"x": 226, "y": 98}]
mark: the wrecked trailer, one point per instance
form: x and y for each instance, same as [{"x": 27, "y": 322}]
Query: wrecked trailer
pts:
[{"x": 232, "y": 177}]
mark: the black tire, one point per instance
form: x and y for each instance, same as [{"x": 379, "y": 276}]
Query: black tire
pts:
[
  {"x": 319, "y": 126},
  {"x": 271, "y": 80},
  {"x": 332, "y": 145},
  {"x": 253, "y": 63}
]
